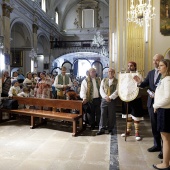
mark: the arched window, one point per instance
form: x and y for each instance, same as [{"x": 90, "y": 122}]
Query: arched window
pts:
[
  {"x": 43, "y": 5},
  {"x": 87, "y": 14},
  {"x": 56, "y": 17}
]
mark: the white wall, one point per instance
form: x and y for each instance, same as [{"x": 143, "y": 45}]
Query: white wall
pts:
[{"x": 160, "y": 42}]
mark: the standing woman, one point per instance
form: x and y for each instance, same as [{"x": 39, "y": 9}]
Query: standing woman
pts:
[
  {"x": 43, "y": 86},
  {"x": 162, "y": 108}
]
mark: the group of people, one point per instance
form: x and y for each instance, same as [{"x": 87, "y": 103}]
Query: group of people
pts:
[{"x": 100, "y": 96}]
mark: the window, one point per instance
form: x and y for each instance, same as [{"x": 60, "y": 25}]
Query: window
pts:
[
  {"x": 56, "y": 17},
  {"x": 83, "y": 66},
  {"x": 43, "y": 5},
  {"x": 88, "y": 18},
  {"x": 87, "y": 14}
]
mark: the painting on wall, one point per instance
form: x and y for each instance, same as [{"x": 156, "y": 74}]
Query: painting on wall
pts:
[
  {"x": 17, "y": 58},
  {"x": 165, "y": 17},
  {"x": 167, "y": 54},
  {"x": 46, "y": 66}
]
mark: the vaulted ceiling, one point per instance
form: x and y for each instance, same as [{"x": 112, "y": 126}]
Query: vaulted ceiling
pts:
[{"x": 64, "y": 5}]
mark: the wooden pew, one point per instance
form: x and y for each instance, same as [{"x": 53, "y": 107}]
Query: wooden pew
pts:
[{"x": 53, "y": 104}]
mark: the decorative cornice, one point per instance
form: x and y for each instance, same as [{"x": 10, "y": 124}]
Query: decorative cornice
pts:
[{"x": 6, "y": 10}]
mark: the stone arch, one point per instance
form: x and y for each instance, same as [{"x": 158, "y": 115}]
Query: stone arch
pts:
[
  {"x": 20, "y": 34},
  {"x": 43, "y": 44}
]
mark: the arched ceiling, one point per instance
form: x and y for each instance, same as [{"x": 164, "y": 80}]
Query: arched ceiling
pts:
[{"x": 64, "y": 5}]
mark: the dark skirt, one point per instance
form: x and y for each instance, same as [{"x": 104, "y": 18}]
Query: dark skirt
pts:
[
  {"x": 163, "y": 120},
  {"x": 134, "y": 107}
]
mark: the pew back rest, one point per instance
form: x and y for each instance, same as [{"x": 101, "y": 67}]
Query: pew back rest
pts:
[{"x": 53, "y": 103}]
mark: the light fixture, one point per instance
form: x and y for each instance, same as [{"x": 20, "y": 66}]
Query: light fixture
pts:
[
  {"x": 1, "y": 42},
  {"x": 141, "y": 13},
  {"x": 104, "y": 52},
  {"x": 98, "y": 40},
  {"x": 34, "y": 61},
  {"x": 33, "y": 54}
]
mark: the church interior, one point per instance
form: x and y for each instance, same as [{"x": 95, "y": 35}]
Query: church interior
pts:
[{"x": 45, "y": 35}]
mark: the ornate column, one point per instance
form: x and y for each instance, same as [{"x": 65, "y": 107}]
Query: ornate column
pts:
[
  {"x": 4, "y": 38},
  {"x": 6, "y": 10},
  {"x": 34, "y": 49},
  {"x": 1, "y": 62}
]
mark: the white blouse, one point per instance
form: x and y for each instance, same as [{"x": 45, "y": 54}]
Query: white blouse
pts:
[{"x": 162, "y": 94}]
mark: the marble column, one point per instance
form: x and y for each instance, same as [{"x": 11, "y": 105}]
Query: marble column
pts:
[
  {"x": 6, "y": 10},
  {"x": 5, "y": 33},
  {"x": 34, "y": 31}
]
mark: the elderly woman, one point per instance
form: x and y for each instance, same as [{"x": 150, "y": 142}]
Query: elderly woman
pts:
[
  {"x": 43, "y": 87},
  {"x": 162, "y": 109}
]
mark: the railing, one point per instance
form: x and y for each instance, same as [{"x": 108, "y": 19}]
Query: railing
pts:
[{"x": 72, "y": 44}]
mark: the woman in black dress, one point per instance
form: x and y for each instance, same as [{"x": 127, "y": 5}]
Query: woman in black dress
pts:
[{"x": 162, "y": 109}]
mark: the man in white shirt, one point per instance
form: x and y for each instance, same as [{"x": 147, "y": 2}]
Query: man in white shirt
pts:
[
  {"x": 90, "y": 93},
  {"x": 62, "y": 82},
  {"x": 108, "y": 92}
]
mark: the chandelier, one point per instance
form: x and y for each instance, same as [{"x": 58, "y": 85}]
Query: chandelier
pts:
[
  {"x": 141, "y": 13},
  {"x": 98, "y": 40},
  {"x": 33, "y": 54},
  {"x": 104, "y": 52}
]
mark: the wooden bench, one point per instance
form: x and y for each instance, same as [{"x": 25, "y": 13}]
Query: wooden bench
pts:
[{"x": 53, "y": 104}]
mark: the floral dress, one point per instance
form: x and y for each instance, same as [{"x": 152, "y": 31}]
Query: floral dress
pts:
[{"x": 43, "y": 88}]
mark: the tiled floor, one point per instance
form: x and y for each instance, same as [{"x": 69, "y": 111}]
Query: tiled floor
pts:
[
  {"x": 133, "y": 155},
  {"x": 52, "y": 147}
]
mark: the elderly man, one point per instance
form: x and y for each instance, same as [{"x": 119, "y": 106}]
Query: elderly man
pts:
[
  {"x": 90, "y": 93},
  {"x": 62, "y": 82},
  {"x": 108, "y": 91},
  {"x": 151, "y": 81}
]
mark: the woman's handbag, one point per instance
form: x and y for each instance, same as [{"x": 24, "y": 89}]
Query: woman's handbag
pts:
[{"x": 9, "y": 104}]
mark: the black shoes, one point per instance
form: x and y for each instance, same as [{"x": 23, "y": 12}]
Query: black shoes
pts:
[
  {"x": 100, "y": 132},
  {"x": 154, "y": 149},
  {"x": 160, "y": 156},
  {"x": 92, "y": 127},
  {"x": 168, "y": 168}
]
